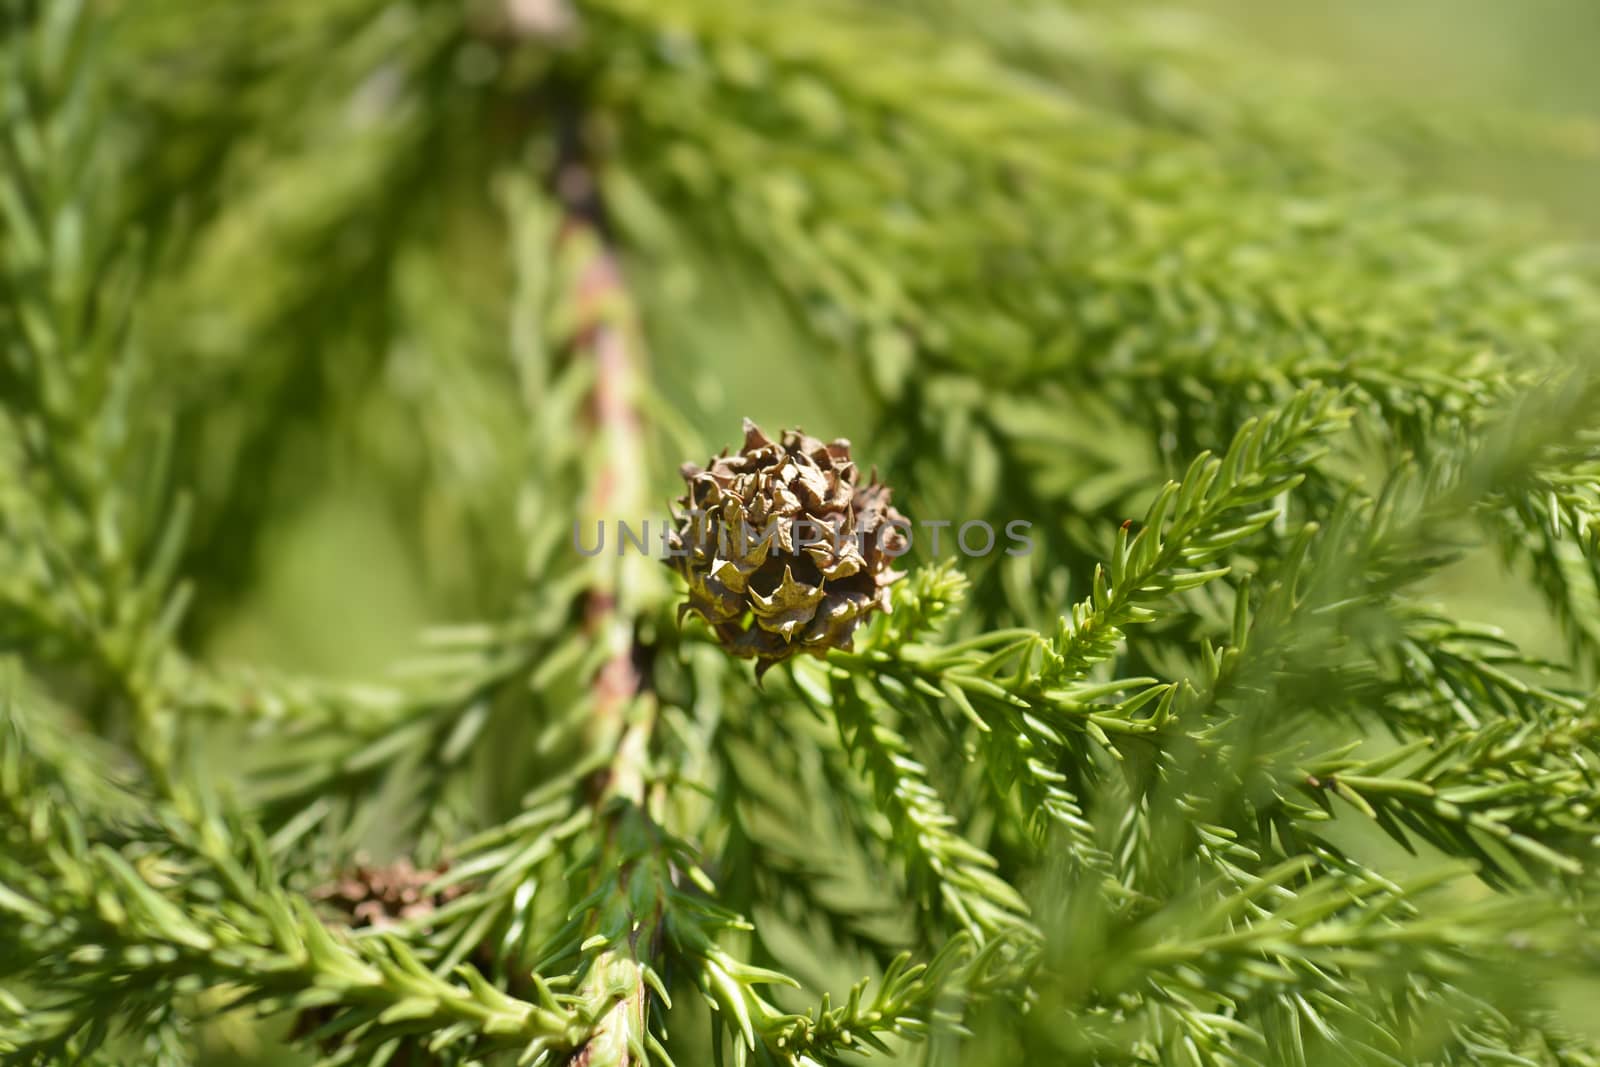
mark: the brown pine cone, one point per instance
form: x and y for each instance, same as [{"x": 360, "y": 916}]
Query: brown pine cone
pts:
[
  {"x": 381, "y": 896},
  {"x": 782, "y": 549},
  {"x": 377, "y": 896}
]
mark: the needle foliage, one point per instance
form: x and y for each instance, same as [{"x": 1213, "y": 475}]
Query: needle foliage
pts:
[{"x": 1217, "y": 774}]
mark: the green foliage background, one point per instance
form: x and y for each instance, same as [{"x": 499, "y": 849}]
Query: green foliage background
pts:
[{"x": 1296, "y": 766}]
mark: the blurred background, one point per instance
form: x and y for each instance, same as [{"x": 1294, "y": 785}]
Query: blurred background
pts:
[{"x": 347, "y": 566}]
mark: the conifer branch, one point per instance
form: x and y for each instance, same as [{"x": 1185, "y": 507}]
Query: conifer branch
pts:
[
  {"x": 1121, "y": 801},
  {"x": 626, "y": 916}
]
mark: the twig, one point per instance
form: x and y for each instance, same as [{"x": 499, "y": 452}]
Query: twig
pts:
[{"x": 606, "y": 333}]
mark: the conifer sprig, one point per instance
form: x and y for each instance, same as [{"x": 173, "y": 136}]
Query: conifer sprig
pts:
[{"x": 1122, "y": 801}]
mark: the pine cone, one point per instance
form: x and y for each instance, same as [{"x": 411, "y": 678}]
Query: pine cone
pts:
[
  {"x": 365, "y": 895},
  {"x": 782, "y": 549},
  {"x": 381, "y": 896}
]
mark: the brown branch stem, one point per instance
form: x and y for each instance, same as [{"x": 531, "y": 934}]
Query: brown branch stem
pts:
[{"x": 621, "y": 716}]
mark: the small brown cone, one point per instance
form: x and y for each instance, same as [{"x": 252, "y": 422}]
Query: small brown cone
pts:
[
  {"x": 782, "y": 548},
  {"x": 367, "y": 895}
]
